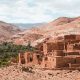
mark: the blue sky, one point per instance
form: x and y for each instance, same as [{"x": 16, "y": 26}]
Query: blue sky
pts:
[{"x": 36, "y": 11}]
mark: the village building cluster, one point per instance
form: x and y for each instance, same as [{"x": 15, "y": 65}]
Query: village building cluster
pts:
[{"x": 54, "y": 53}]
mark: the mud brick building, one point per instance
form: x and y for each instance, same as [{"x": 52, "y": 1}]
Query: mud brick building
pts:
[{"x": 54, "y": 53}]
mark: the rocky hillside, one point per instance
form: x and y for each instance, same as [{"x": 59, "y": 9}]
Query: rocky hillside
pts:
[
  {"x": 7, "y": 30},
  {"x": 58, "y": 27}
]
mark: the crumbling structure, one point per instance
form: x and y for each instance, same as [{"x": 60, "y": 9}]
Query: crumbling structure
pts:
[{"x": 55, "y": 53}]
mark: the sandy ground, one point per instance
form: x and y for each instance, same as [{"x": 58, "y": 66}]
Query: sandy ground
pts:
[{"x": 14, "y": 73}]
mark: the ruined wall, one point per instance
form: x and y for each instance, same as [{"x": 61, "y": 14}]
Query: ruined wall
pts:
[
  {"x": 56, "y": 54},
  {"x": 35, "y": 59},
  {"x": 21, "y": 58},
  {"x": 45, "y": 48},
  {"x": 76, "y": 47},
  {"x": 77, "y": 37},
  {"x": 57, "y": 62},
  {"x": 48, "y": 62},
  {"x": 72, "y": 53},
  {"x": 70, "y": 48},
  {"x": 78, "y": 60},
  {"x": 59, "y": 53},
  {"x": 31, "y": 58},
  {"x": 28, "y": 58},
  {"x": 55, "y": 46},
  {"x": 69, "y": 37},
  {"x": 64, "y": 61}
]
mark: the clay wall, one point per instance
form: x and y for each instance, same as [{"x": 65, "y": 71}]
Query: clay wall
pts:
[
  {"x": 70, "y": 47},
  {"x": 31, "y": 58},
  {"x": 77, "y": 37},
  {"x": 69, "y": 37},
  {"x": 59, "y": 62},
  {"x": 76, "y": 47},
  {"x": 21, "y": 58},
  {"x": 57, "y": 59},
  {"x": 64, "y": 61},
  {"x": 45, "y": 48},
  {"x": 78, "y": 60},
  {"x": 72, "y": 53},
  {"x": 59, "y": 53},
  {"x": 55, "y": 46},
  {"x": 28, "y": 58},
  {"x": 74, "y": 65},
  {"x": 48, "y": 62}
]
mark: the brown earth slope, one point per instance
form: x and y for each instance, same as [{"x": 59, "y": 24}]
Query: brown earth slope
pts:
[
  {"x": 7, "y": 30},
  {"x": 58, "y": 27}
]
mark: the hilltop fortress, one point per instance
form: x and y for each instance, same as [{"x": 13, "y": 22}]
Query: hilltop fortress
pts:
[{"x": 54, "y": 53}]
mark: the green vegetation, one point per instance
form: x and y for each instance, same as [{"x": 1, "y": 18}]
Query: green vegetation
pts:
[{"x": 10, "y": 50}]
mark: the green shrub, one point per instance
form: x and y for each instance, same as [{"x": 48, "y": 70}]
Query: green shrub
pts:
[{"x": 10, "y": 50}]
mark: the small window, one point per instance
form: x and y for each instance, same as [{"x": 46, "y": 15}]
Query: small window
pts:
[
  {"x": 23, "y": 61},
  {"x": 31, "y": 59},
  {"x": 74, "y": 60},
  {"x": 45, "y": 65},
  {"x": 46, "y": 58}
]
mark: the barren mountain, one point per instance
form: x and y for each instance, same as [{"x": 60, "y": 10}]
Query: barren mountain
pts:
[
  {"x": 58, "y": 27},
  {"x": 28, "y": 25},
  {"x": 7, "y": 30}
]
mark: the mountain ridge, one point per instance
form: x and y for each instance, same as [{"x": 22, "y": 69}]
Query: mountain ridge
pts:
[
  {"x": 7, "y": 30},
  {"x": 59, "y": 27}
]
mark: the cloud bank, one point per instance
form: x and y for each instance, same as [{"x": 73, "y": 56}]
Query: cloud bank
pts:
[{"x": 36, "y": 11}]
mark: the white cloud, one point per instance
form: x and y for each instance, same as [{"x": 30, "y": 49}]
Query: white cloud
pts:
[{"x": 32, "y": 11}]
